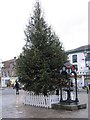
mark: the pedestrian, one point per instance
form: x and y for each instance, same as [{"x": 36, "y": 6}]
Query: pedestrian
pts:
[
  {"x": 17, "y": 87},
  {"x": 87, "y": 89}
]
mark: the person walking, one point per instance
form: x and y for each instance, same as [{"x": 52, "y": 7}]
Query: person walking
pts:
[
  {"x": 87, "y": 89},
  {"x": 17, "y": 87}
]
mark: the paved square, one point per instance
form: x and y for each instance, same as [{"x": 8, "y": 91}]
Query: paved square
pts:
[{"x": 13, "y": 107}]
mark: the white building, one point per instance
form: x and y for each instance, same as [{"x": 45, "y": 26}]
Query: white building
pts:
[{"x": 80, "y": 57}]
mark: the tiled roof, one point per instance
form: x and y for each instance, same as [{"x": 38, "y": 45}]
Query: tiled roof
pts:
[{"x": 79, "y": 49}]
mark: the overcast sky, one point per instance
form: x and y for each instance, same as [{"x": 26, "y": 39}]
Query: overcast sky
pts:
[{"x": 68, "y": 18}]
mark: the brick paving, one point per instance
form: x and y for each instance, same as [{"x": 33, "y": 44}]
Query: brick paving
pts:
[{"x": 13, "y": 107}]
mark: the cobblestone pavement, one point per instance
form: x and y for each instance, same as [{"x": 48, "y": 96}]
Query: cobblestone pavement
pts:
[{"x": 13, "y": 107}]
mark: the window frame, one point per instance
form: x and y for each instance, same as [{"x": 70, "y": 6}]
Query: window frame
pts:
[{"x": 74, "y": 58}]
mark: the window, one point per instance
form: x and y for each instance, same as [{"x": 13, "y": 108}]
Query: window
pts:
[
  {"x": 87, "y": 57},
  {"x": 74, "y": 58}
]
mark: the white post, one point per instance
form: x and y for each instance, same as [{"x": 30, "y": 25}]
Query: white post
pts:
[{"x": 82, "y": 81}]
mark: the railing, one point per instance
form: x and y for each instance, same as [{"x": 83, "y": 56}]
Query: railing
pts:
[{"x": 43, "y": 101}]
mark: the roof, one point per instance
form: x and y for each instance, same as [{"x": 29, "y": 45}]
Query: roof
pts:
[
  {"x": 8, "y": 62},
  {"x": 79, "y": 49}
]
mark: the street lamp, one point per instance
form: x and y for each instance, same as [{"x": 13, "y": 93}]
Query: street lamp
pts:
[
  {"x": 64, "y": 74},
  {"x": 75, "y": 76}
]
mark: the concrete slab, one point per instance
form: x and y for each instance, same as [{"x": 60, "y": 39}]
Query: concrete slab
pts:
[{"x": 70, "y": 107}]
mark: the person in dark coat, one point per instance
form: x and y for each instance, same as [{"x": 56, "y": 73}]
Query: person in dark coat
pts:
[
  {"x": 87, "y": 89},
  {"x": 17, "y": 87}
]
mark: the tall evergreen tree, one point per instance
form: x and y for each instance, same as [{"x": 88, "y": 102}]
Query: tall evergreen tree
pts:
[{"x": 39, "y": 64}]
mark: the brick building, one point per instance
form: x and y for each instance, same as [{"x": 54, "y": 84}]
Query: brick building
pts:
[
  {"x": 8, "y": 69},
  {"x": 8, "y": 72}
]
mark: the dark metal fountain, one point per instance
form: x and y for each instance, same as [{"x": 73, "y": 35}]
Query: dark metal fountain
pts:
[
  {"x": 69, "y": 104},
  {"x": 67, "y": 71}
]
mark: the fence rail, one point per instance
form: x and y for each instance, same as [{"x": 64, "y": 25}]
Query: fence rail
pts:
[{"x": 41, "y": 100}]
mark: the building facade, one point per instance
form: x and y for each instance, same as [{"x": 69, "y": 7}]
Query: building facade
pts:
[
  {"x": 8, "y": 72},
  {"x": 1, "y": 65},
  {"x": 8, "y": 69},
  {"x": 80, "y": 57}
]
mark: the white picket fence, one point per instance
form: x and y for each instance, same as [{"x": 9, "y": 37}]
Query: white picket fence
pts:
[{"x": 41, "y": 100}]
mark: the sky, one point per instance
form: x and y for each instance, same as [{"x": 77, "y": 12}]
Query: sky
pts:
[{"x": 68, "y": 18}]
